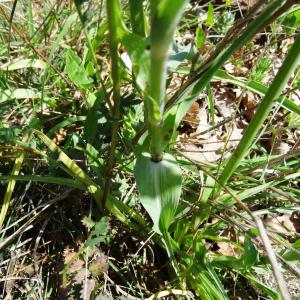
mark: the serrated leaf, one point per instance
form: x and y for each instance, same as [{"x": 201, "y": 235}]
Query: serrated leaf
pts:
[
  {"x": 88, "y": 222},
  {"x": 76, "y": 71},
  {"x": 99, "y": 266},
  {"x": 159, "y": 185},
  {"x": 101, "y": 227}
]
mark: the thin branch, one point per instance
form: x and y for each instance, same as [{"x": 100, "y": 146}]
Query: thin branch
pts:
[{"x": 273, "y": 261}]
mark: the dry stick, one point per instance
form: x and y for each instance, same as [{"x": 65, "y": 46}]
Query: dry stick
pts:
[
  {"x": 258, "y": 243},
  {"x": 272, "y": 257},
  {"x": 291, "y": 268}
]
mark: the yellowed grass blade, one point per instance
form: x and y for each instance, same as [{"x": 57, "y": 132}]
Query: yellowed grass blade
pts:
[{"x": 11, "y": 184}]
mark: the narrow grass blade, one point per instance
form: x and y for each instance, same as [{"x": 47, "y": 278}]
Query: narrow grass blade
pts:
[
  {"x": 278, "y": 84},
  {"x": 70, "y": 120},
  {"x": 117, "y": 208},
  {"x": 12, "y": 182},
  {"x": 77, "y": 172},
  {"x": 257, "y": 88},
  {"x": 45, "y": 179}
]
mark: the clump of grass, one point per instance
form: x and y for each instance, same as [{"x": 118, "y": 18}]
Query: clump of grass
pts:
[{"x": 85, "y": 107}]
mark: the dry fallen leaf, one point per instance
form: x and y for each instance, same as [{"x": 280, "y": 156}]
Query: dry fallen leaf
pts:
[
  {"x": 281, "y": 224},
  {"x": 87, "y": 288}
]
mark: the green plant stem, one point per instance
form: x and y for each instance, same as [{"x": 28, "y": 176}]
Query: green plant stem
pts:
[
  {"x": 278, "y": 84},
  {"x": 201, "y": 77},
  {"x": 113, "y": 18},
  {"x": 137, "y": 17},
  {"x": 164, "y": 15},
  {"x": 157, "y": 92}
]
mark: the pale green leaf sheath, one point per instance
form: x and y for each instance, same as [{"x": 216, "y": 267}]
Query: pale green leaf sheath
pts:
[{"x": 159, "y": 185}]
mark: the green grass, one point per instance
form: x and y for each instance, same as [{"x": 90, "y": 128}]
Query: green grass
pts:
[{"x": 100, "y": 197}]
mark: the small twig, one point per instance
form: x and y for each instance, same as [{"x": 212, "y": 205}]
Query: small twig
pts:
[{"x": 273, "y": 261}]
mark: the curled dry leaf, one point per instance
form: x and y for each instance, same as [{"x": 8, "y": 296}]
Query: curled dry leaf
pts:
[
  {"x": 281, "y": 224},
  {"x": 87, "y": 288},
  {"x": 68, "y": 254},
  {"x": 76, "y": 265},
  {"x": 81, "y": 275}
]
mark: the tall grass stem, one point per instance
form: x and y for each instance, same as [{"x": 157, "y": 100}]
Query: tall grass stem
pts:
[{"x": 288, "y": 67}]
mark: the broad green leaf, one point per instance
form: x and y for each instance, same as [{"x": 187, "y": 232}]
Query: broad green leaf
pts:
[
  {"x": 76, "y": 71},
  {"x": 136, "y": 47},
  {"x": 209, "y": 286},
  {"x": 173, "y": 116},
  {"x": 159, "y": 185},
  {"x": 177, "y": 55},
  {"x": 200, "y": 37},
  {"x": 250, "y": 257},
  {"x": 291, "y": 255},
  {"x": 210, "y": 15}
]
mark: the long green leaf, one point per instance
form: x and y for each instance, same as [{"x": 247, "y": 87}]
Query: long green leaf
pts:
[
  {"x": 137, "y": 17},
  {"x": 117, "y": 208},
  {"x": 45, "y": 179},
  {"x": 289, "y": 65},
  {"x": 256, "y": 87}
]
